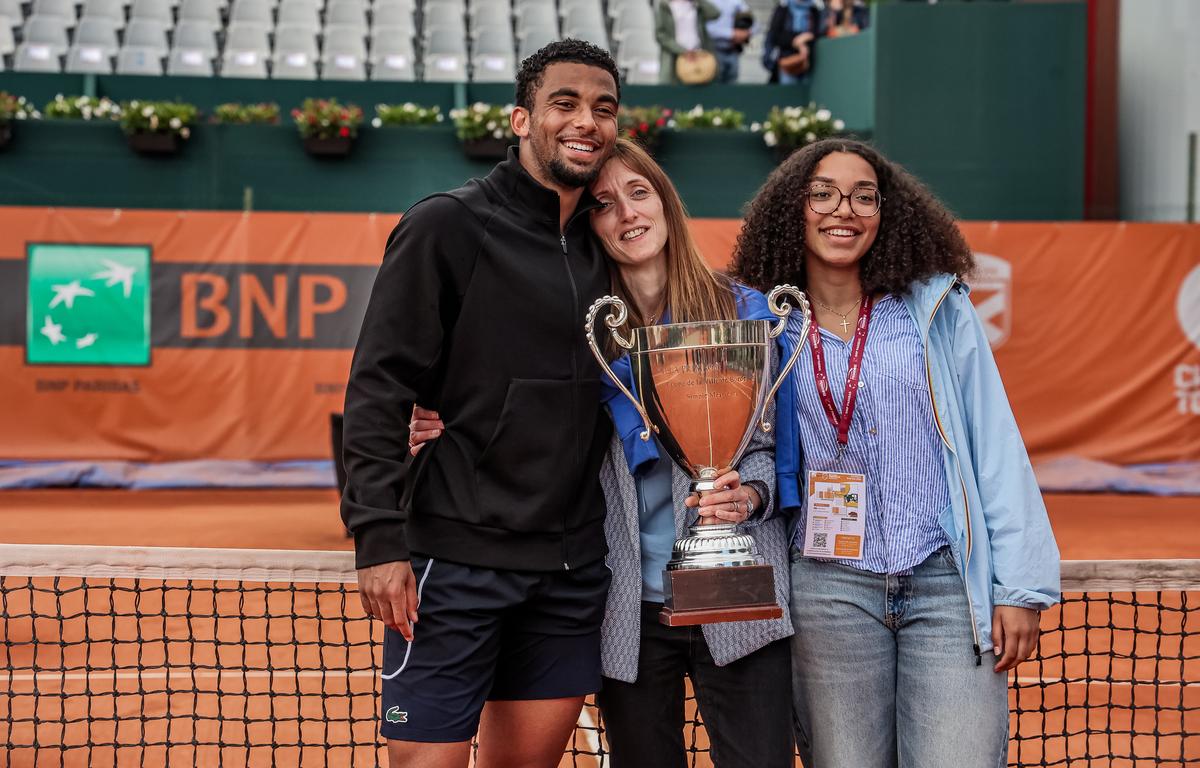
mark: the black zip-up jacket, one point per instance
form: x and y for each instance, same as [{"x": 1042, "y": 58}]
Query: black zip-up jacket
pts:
[{"x": 478, "y": 312}]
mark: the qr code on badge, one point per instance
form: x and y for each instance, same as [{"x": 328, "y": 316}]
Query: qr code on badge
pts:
[{"x": 820, "y": 540}]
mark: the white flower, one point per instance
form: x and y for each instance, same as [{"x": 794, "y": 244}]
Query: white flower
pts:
[
  {"x": 377, "y": 123},
  {"x": 670, "y": 123},
  {"x": 81, "y": 101},
  {"x": 824, "y": 114},
  {"x": 802, "y": 122},
  {"x": 185, "y": 133},
  {"x": 491, "y": 125},
  {"x": 58, "y": 97},
  {"x": 755, "y": 127},
  {"x": 793, "y": 126},
  {"x": 147, "y": 111},
  {"x": 838, "y": 125},
  {"x": 508, "y": 108},
  {"x": 810, "y": 136},
  {"x": 86, "y": 112},
  {"x": 479, "y": 107},
  {"x": 769, "y": 138},
  {"x": 325, "y": 123},
  {"x": 21, "y": 114},
  {"x": 499, "y": 134},
  {"x": 439, "y": 117},
  {"x": 409, "y": 106},
  {"x": 133, "y": 104},
  {"x": 176, "y": 123},
  {"x": 716, "y": 119}
]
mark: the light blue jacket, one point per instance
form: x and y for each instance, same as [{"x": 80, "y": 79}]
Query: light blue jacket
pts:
[{"x": 997, "y": 523}]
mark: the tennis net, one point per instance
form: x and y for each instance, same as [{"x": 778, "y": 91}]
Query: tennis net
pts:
[{"x": 164, "y": 656}]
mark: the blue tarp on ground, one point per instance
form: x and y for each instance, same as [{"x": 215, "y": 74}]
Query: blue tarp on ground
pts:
[
  {"x": 177, "y": 474},
  {"x": 1063, "y": 475}
]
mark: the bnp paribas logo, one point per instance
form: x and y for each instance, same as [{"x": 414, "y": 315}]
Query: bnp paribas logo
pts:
[{"x": 88, "y": 305}]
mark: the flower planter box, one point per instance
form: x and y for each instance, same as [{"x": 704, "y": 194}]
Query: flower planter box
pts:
[
  {"x": 334, "y": 146},
  {"x": 155, "y": 143},
  {"x": 489, "y": 148},
  {"x": 5, "y": 134}
]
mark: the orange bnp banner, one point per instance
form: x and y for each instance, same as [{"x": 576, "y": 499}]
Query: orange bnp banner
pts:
[{"x": 164, "y": 335}]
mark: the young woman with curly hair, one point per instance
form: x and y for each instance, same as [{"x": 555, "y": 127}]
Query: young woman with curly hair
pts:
[{"x": 921, "y": 542}]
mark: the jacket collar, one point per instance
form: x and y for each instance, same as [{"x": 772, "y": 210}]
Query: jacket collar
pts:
[
  {"x": 924, "y": 296},
  {"x": 515, "y": 183}
]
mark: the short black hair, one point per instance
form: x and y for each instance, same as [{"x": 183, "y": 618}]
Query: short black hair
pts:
[{"x": 569, "y": 51}]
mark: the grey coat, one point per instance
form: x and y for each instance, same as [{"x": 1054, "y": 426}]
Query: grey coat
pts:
[{"x": 620, "y": 635}]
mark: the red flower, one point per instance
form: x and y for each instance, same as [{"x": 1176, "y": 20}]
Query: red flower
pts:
[
  {"x": 660, "y": 122},
  {"x": 295, "y": 113},
  {"x": 667, "y": 112},
  {"x": 345, "y": 115},
  {"x": 644, "y": 127},
  {"x": 344, "y": 132},
  {"x": 312, "y": 119}
]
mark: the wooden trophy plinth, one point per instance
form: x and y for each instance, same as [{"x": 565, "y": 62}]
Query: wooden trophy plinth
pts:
[{"x": 711, "y": 595}]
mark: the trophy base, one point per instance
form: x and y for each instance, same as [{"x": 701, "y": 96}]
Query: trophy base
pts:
[{"x": 712, "y": 595}]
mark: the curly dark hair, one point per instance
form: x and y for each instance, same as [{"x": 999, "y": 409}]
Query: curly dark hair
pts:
[
  {"x": 917, "y": 239},
  {"x": 570, "y": 51}
]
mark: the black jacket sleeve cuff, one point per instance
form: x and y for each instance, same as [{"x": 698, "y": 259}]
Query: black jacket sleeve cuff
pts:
[{"x": 380, "y": 542}]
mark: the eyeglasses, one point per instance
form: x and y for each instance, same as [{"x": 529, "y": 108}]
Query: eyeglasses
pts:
[{"x": 825, "y": 198}]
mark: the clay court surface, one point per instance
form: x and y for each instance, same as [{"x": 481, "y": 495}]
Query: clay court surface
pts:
[{"x": 231, "y": 684}]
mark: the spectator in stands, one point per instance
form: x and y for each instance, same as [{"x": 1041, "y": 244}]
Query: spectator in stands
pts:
[
  {"x": 729, "y": 33},
  {"x": 681, "y": 31},
  {"x": 501, "y": 592},
  {"x": 738, "y": 670},
  {"x": 845, "y": 17},
  {"x": 787, "y": 48},
  {"x": 955, "y": 556}
]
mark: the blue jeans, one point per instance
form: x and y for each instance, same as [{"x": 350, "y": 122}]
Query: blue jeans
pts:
[
  {"x": 884, "y": 674},
  {"x": 727, "y": 65}
]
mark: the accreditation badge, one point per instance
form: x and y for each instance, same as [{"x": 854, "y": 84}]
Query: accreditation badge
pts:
[{"x": 836, "y": 515}]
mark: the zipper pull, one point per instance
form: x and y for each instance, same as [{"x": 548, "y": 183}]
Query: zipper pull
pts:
[
  {"x": 563, "y": 239},
  {"x": 978, "y": 655},
  {"x": 566, "y": 567}
]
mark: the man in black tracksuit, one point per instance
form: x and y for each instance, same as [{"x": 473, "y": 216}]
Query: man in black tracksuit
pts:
[{"x": 484, "y": 555}]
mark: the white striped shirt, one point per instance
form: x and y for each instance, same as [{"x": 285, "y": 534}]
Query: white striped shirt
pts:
[{"x": 893, "y": 438}]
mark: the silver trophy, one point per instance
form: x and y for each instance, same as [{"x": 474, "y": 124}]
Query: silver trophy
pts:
[{"x": 702, "y": 388}]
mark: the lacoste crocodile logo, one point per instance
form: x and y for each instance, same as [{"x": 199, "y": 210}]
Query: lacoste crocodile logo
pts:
[{"x": 394, "y": 715}]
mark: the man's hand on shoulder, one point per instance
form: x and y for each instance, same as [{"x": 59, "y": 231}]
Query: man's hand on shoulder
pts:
[{"x": 388, "y": 592}]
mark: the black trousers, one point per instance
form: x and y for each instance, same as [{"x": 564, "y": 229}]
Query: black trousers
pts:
[{"x": 746, "y": 705}]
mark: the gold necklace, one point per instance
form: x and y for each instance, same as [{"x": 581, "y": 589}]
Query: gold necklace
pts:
[{"x": 845, "y": 322}]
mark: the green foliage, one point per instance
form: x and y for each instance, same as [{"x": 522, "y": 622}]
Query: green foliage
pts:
[
  {"x": 406, "y": 114},
  {"x": 794, "y": 127},
  {"x": 644, "y": 124},
  {"x": 158, "y": 117},
  {"x": 483, "y": 121},
  {"x": 327, "y": 119},
  {"x": 82, "y": 108},
  {"x": 266, "y": 113},
  {"x": 699, "y": 118},
  {"x": 13, "y": 107}
]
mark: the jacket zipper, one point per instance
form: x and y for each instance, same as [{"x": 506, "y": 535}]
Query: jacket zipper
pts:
[
  {"x": 962, "y": 484},
  {"x": 577, "y": 313}
]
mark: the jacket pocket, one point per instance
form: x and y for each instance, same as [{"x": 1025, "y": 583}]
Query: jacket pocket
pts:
[{"x": 526, "y": 474}]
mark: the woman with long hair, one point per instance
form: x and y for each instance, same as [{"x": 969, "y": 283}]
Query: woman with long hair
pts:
[
  {"x": 922, "y": 552},
  {"x": 739, "y": 670}
]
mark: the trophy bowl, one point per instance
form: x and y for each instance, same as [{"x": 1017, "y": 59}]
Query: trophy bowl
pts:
[{"x": 703, "y": 388}]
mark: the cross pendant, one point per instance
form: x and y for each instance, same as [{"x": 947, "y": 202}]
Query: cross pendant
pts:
[{"x": 845, "y": 325}]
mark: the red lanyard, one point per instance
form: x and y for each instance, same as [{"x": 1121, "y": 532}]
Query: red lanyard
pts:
[{"x": 841, "y": 422}]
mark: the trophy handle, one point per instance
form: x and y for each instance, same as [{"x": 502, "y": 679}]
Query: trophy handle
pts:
[
  {"x": 777, "y": 301},
  {"x": 613, "y": 321}
]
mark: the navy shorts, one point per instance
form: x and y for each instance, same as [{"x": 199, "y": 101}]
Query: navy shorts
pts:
[{"x": 486, "y": 634}]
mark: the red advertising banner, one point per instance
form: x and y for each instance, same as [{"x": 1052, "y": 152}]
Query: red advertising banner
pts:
[{"x": 163, "y": 335}]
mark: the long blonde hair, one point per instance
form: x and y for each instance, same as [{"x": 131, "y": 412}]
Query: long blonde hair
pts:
[{"x": 694, "y": 291}]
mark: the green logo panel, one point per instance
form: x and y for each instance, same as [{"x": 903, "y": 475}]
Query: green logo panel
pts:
[{"x": 88, "y": 305}]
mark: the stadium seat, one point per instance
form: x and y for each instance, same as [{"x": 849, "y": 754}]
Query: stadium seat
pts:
[
  {"x": 393, "y": 16},
  {"x": 98, "y": 32},
  {"x": 48, "y": 31},
  {"x": 394, "y": 6},
  {"x": 248, "y": 37},
  {"x": 197, "y": 12},
  {"x": 492, "y": 39},
  {"x": 293, "y": 65},
  {"x": 195, "y": 34},
  {"x": 299, "y": 15},
  {"x": 536, "y": 20},
  {"x": 7, "y": 44},
  {"x": 394, "y": 67},
  {"x": 244, "y": 63},
  {"x": 493, "y": 68},
  {"x": 491, "y": 19},
  {"x": 190, "y": 62},
  {"x": 390, "y": 45},
  {"x": 391, "y": 36},
  {"x": 36, "y": 57},
  {"x": 11, "y": 9},
  {"x": 344, "y": 66},
  {"x": 153, "y": 10},
  {"x": 445, "y": 40},
  {"x": 533, "y": 39},
  {"x": 445, "y": 67},
  {"x": 253, "y": 11},
  {"x": 137, "y": 60},
  {"x": 89, "y": 60},
  {"x": 147, "y": 33},
  {"x": 637, "y": 16},
  {"x": 296, "y": 39},
  {"x": 63, "y": 9},
  {"x": 343, "y": 14}
]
